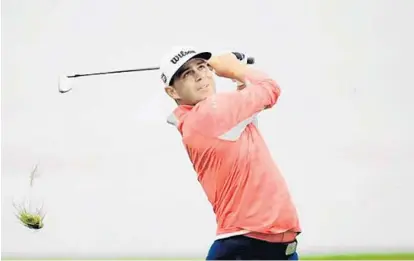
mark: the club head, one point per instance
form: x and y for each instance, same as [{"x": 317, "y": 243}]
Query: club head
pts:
[{"x": 65, "y": 84}]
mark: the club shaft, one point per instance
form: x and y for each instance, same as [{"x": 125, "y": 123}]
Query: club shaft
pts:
[
  {"x": 250, "y": 60},
  {"x": 112, "y": 72}
]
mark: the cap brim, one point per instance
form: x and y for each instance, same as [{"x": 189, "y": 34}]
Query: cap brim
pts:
[{"x": 203, "y": 55}]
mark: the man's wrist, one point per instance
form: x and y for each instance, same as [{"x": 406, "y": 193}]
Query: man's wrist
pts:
[
  {"x": 252, "y": 75},
  {"x": 241, "y": 73}
]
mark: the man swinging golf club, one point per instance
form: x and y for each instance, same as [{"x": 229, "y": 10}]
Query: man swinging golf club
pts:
[{"x": 256, "y": 218}]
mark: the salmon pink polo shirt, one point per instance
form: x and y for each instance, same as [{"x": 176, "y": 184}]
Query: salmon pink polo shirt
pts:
[{"x": 233, "y": 164}]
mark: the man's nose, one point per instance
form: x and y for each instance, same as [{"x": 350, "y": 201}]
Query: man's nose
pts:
[{"x": 198, "y": 75}]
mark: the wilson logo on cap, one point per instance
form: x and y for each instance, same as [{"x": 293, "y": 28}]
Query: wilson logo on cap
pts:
[{"x": 180, "y": 55}]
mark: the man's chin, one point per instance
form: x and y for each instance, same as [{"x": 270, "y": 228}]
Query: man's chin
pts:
[
  {"x": 202, "y": 98},
  {"x": 208, "y": 94}
]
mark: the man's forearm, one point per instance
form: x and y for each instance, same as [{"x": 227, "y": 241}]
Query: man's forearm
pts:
[
  {"x": 251, "y": 77},
  {"x": 240, "y": 85}
]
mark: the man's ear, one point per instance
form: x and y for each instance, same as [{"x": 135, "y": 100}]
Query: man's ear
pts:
[{"x": 172, "y": 92}]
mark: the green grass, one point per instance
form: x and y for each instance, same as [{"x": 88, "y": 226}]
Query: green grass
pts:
[
  {"x": 368, "y": 256},
  {"x": 373, "y": 256},
  {"x": 30, "y": 219}
]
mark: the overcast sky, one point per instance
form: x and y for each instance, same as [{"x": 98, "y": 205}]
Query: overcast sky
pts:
[{"x": 114, "y": 177}]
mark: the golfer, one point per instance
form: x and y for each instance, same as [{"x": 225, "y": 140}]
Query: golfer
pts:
[{"x": 255, "y": 215}]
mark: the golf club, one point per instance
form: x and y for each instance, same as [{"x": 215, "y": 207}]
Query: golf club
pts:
[
  {"x": 65, "y": 81},
  {"x": 66, "y": 84}
]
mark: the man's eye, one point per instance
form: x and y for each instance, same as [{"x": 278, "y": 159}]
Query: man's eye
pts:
[{"x": 202, "y": 67}]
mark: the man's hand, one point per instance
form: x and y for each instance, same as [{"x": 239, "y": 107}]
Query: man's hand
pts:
[{"x": 228, "y": 66}]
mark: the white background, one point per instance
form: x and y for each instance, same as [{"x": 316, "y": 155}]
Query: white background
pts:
[{"x": 114, "y": 177}]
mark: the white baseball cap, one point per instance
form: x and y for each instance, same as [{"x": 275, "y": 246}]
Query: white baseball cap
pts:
[{"x": 176, "y": 58}]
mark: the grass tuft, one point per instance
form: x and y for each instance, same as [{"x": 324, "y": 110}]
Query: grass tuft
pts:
[{"x": 30, "y": 219}]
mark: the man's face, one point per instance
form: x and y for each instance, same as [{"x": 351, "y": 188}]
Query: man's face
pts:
[{"x": 193, "y": 82}]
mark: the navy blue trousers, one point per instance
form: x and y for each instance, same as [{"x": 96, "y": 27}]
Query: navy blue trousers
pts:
[{"x": 246, "y": 248}]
